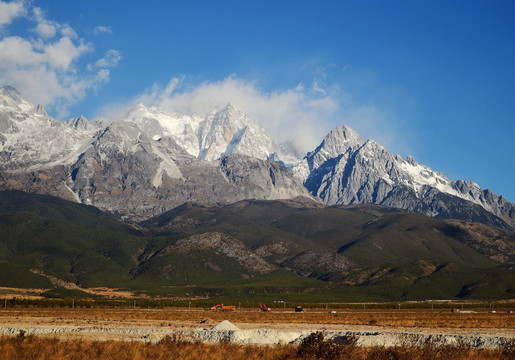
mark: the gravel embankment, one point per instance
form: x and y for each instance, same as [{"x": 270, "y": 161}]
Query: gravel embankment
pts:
[{"x": 226, "y": 331}]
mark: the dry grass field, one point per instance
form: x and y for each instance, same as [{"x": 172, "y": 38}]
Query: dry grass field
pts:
[
  {"x": 315, "y": 347},
  {"x": 478, "y": 318},
  {"x": 19, "y": 348}
]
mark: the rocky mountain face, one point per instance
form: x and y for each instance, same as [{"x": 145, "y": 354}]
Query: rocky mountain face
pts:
[
  {"x": 365, "y": 245},
  {"x": 344, "y": 169},
  {"x": 222, "y": 244},
  {"x": 142, "y": 165},
  {"x": 151, "y": 160},
  {"x": 222, "y": 132},
  {"x": 30, "y": 139}
]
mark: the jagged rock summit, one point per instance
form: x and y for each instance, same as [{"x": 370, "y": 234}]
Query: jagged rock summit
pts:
[
  {"x": 222, "y": 132},
  {"x": 339, "y": 142},
  {"x": 30, "y": 139}
]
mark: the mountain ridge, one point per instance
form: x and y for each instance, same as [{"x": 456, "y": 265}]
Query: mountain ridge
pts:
[
  {"x": 151, "y": 160},
  {"x": 365, "y": 172}
]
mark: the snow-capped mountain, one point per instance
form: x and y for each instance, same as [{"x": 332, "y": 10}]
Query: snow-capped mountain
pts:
[
  {"x": 30, "y": 139},
  {"x": 346, "y": 170},
  {"x": 151, "y": 160},
  {"x": 207, "y": 137},
  {"x": 85, "y": 126},
  {"x": 142, "y": 165},
  {"x": 342, "y": 141}
]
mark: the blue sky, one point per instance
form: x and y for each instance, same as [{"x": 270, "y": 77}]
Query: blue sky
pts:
[{"x": 431, "y": 79}]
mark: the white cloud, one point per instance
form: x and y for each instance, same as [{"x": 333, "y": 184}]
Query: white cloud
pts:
[
  {"x": 68, "y": 32},
  {"x": 46, "y": 68},
  {"x": 102, "y": 30},
  {"x": 63, "y": 52},
  {"x": 48, "y": 87},
  {"x": 48, "y": 29},
  {"x": 110, "y": 59},
  {"x": 15, "y": 51},
  {"x": 317, "y": 88},
  {"x": 45, "y": 28},
  {"x": 18, "y": 52},
  {"x": 10, "y": 11}
]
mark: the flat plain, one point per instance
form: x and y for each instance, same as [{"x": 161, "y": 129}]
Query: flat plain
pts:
[
  {"x": 138, "y": 333},
  {"x": 470, "y": 320}
]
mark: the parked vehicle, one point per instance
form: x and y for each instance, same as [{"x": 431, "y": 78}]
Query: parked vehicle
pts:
[
  {"x": 223, "y": 307},
  {"x": 264, "y": 308}
]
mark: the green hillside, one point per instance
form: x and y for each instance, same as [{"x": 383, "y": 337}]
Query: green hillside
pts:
[{"x": 293, "y": 249}]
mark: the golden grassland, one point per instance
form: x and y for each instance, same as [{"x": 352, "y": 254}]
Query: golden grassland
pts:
[
  {"x": 21, "y": 293},
  {"x": 41, "y": 348},
  {"x": 479, "y": 318},
  {"x": 314, "y": 347}
]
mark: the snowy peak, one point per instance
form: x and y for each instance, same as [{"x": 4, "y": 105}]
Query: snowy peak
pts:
[
  {"x": 78, "y": 123},
  {"x": 229, "y": 131},
  {"x": 338, "y": 141},
  {"x": 29, "y": 138},
  {"x": 138, "y": 110},
  {"x": 84, "y": 125},
  {"x": 372, "y": 150},
  {"x": 223, "y": 132},
  {"x": 13, "y": 104},
  {"x": 344, "y": 170},
  {"x": 220, "y": 132},
  {"x": 420, "y": 175},
  {"x": 14, "y": 109},
  {"x": 208, "y": 137},
  {"x": 410, "y": 160},
  {"x": 10, "y": 94},
  {"x": 370, "y": 161}
]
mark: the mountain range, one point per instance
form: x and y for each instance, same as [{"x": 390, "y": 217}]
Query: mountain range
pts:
[
  {"x": 171, "y": 204},
  {"x": 150, "y": 161}
]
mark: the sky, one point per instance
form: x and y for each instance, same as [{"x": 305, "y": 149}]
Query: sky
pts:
[{"x": 432, "y": 79}]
